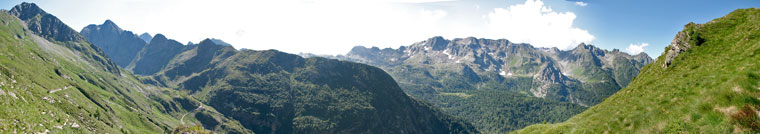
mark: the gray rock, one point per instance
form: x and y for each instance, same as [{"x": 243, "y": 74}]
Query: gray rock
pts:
[{"x": 680, "y": 44}]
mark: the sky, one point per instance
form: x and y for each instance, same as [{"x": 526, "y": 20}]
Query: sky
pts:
[{"x": 335, "y": 26}]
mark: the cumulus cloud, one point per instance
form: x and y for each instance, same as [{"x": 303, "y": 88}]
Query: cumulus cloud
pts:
[
  {"x": 636, "y": 49},
  {"x": 533, "y": 22},
  {"x": 580, "y": 3}
]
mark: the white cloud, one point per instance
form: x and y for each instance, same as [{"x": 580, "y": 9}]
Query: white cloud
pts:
[
  {"x": 636, "y": 49},
  {"x": 533, "y": 22},
  {"x": 580, "y": 3}
]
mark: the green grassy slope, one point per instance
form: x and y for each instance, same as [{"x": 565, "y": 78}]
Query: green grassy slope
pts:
[
  {"x": 69, "y": 86},
  {"x": 712, "y": 87}
]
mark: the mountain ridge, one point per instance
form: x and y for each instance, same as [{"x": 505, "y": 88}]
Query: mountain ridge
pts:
[
  {"x": 484, "y": 56},
  {"x": 449, "y": 72},
  {"x": 123, "y": 50},
  {"x": 275, "y": 92}
]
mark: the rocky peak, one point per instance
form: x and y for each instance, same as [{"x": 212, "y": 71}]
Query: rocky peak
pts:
[
  {"x": 161, "y": 41},
  {"x": 582, "y": 45},
  {"x": 471, "y": 40},
  {"x": 154, "y": 56},
  {"x": 643, "y": 58},
  {"x": 218, "y": 42},
  {"x": 437, "y": 42},
  {"x": 206, "y": 41},
  {"x": 210, "y": 42},
  {"x": 120, "y": 45},
  {"x": 159, "y": 38},
  {"x": 590, "y": 48},
  {"x": 146, "y": 37},
  {"x": 46, "y": 24},
  {"x": 108, "y": 24},
  {"x": 51, "y": 28},
  {"x": 196, "y": 58},
  {"x": 25, "y": 11}
]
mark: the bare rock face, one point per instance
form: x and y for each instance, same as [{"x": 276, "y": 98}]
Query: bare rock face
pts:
[
  {"x": 682, "y": 42},
  {"x": 676, "y": 47},
  {"x": 545, "y": 78},
  {"x": 120, "y": 45},
  {"x": 47, "y": 25}
]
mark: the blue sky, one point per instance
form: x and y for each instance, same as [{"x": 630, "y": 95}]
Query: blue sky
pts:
[
  {"x": 618, "y": 23},
  {"x": 334, "y": 26}
]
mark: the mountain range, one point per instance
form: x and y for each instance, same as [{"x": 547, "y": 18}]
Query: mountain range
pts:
[
  {"x": 516, "y": 83},
  {"x": 464, "y": 76},
  {"x": 105, "y": 79},
  {"x": 54, "y": 81},
  {"x": 275, "y": 92},
  {"x": 51, "y": 70},
  {"x": 471, "y": 63}
]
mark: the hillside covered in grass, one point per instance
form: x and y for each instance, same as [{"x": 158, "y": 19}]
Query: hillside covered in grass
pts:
[
  {"x": 707, "y": 81},
  {"x": 53, "y": 81}
]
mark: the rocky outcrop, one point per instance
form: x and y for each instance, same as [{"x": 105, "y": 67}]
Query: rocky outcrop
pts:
[
  {"x": 683, "y": 41},
  {"x": 544, "y": 79}
]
